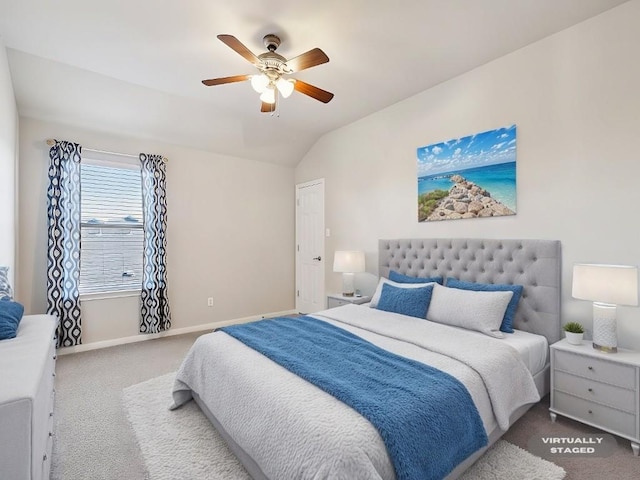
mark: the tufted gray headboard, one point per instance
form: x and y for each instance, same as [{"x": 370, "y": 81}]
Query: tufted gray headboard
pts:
[{"x": 535, "y": 264}]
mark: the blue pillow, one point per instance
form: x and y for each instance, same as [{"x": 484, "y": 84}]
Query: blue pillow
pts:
[
  {"x": 10, "y": 315},
  {"x": 512, "y": 307},
  {"x": 407, "y": 301},
  {"x": 400, "y": 278}
]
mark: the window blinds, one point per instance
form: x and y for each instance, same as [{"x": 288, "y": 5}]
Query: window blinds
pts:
[{"x": 112, "y": 234}]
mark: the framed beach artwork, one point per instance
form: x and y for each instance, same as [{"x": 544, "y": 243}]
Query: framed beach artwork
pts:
[{"x": 468, "y": 177}]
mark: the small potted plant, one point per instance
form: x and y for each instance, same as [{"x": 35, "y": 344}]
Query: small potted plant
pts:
[{"x": 574, "y": 333}]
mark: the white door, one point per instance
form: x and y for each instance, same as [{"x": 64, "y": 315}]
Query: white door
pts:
[{"x": 310, "y": 257}]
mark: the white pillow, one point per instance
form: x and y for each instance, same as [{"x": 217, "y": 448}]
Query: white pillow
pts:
[
  {"x": 481, "y": 311},
  {"x": 376, "y": 296}
]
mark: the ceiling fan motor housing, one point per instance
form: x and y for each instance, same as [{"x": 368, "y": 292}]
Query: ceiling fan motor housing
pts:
[{"x": 272, "y": 62}]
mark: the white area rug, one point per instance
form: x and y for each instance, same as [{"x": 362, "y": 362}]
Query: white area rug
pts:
[{"x": 183, "y": 444}]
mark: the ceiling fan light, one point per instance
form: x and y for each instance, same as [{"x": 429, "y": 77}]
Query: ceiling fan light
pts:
[
  {"x": 269, "y": 95},
  {"x": 259, "y": 82},
  {"x": 285, "y": 87}
]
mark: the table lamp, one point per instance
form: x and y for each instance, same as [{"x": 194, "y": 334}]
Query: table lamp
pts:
[
  {"x": 348, "y": 263},
  {"x": 606, "y": 286}
]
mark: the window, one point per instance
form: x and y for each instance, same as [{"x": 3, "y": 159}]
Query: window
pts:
[{"x": 111, "y": 227}]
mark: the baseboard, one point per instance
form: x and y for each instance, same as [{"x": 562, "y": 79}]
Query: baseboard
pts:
[{"x": 177, "y": 331}]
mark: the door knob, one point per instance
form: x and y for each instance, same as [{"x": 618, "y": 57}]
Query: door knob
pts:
[{"x": 318, "y": 258}]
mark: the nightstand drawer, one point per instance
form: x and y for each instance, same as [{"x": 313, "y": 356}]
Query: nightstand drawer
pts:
[
  {"x": 334, "y": 302},
  {"x": 596, "y": 369},
  {"x": 595, "y": 391},
  {"x": 604, "y": 417}
]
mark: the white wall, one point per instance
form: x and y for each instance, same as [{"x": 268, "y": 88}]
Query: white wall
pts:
[
  {"x": 230, "y": 233},
  {"x": 574, "y": 97},
  {"x": 8, "y": 157}
]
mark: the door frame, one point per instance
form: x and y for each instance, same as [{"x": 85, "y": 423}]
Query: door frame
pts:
[{"x": 300, "y": 186}]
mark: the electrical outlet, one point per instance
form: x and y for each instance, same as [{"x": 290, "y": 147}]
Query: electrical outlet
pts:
[{"x": 210, "y": 302}]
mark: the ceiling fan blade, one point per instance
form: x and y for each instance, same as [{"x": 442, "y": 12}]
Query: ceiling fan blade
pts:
[
  {"x": 268, "y": 107},
  {"x": 313, "y": 92},
  {"x": 235, "y": 44},
  {"x": 307, "y": 60},
  {"x": 223, "y": 80}
]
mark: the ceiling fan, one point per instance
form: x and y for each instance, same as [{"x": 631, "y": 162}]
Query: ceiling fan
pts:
[{"x": 273, "y": 71}]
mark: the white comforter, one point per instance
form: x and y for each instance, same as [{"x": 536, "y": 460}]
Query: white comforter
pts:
[{"x": 294, "y": 430}]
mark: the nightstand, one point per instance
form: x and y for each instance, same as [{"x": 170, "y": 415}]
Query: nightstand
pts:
[
  {"x": 337, "y": 300},
  {"x": 596, "y": 388}
]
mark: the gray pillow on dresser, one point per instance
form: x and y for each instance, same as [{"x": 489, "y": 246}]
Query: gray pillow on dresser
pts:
[{"x": 5, "y": 288}]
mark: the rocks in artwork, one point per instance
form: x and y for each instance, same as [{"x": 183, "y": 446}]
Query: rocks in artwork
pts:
[{"x": 464, "y": 200}]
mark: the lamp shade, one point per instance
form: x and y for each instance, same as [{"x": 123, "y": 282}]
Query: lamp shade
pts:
[
  {"x": 259, "y": 82},
  {"x": 285, "y": 87},
  {"x": 612, "y": 284},
  {"x": 351, "y": 261},
  {"x": 268, "y": 95}
]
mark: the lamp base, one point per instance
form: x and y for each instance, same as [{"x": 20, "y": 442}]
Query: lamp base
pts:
[
  {"x": 347, "y": 284},
  {"x": 604, "y": 348},
  {"x": 604, "y": 327}
]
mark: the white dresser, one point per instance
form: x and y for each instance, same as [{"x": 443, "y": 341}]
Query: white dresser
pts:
[
  {"x": 599, "y": 389},
  {"x": 27, "y": 371}
]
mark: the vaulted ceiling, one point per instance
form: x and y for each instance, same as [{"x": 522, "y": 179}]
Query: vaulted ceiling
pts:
[{"x": 135, "y": 67}]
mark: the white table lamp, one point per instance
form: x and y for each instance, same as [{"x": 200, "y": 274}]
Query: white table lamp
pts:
[
  {"x": 606, "y": 286},
  {"x": 348, "y": 263}
]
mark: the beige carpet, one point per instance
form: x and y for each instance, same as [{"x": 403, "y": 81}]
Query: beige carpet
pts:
[
  {"x": 94, "y": 440},
  {"x": 183, "y": 444}
]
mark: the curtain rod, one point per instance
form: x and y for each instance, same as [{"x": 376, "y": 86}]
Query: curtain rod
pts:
[{"x": 51, "y": 142}]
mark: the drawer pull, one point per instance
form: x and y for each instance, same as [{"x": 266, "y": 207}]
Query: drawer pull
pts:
[
  {"x": 55, "y": 357},
  {"x": 44, "y": 457},
  {"x": 51, "y": 434},
  {"x": 590, "y": 389},
  {"x": 591, "y": 412},
  {"x": 53, "y": 374},
  {"x": 590, "y": 367},
  {"x": 51, "y": 414}
]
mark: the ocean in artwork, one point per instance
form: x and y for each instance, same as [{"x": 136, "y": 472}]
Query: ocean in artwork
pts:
[
  {"x": 499, "y": 180},
  {"x": 468, "y": 177}
]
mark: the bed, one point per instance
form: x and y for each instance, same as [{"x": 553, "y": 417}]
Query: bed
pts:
[{"x": 281, "y": 426}]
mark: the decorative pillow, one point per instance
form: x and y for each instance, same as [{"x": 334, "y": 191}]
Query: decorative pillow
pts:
[
  {"x": 481, "y": 311},
  {"x": 376, "y": 296},
  {"x": 509, "y": 315},
  {"x": 5, "y": 288},
  {"x": 10, "y": 315},
  {"x": 407, "y": 301},
  {"x": 400, "y": 278}
]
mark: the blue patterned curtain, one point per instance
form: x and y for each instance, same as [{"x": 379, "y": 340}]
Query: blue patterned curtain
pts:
[
  {"x": 155, "y": 312},
  {"x": 63, "y": 257}
]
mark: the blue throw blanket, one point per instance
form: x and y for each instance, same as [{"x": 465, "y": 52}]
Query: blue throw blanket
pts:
[{"x": 425, "y": 417}]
